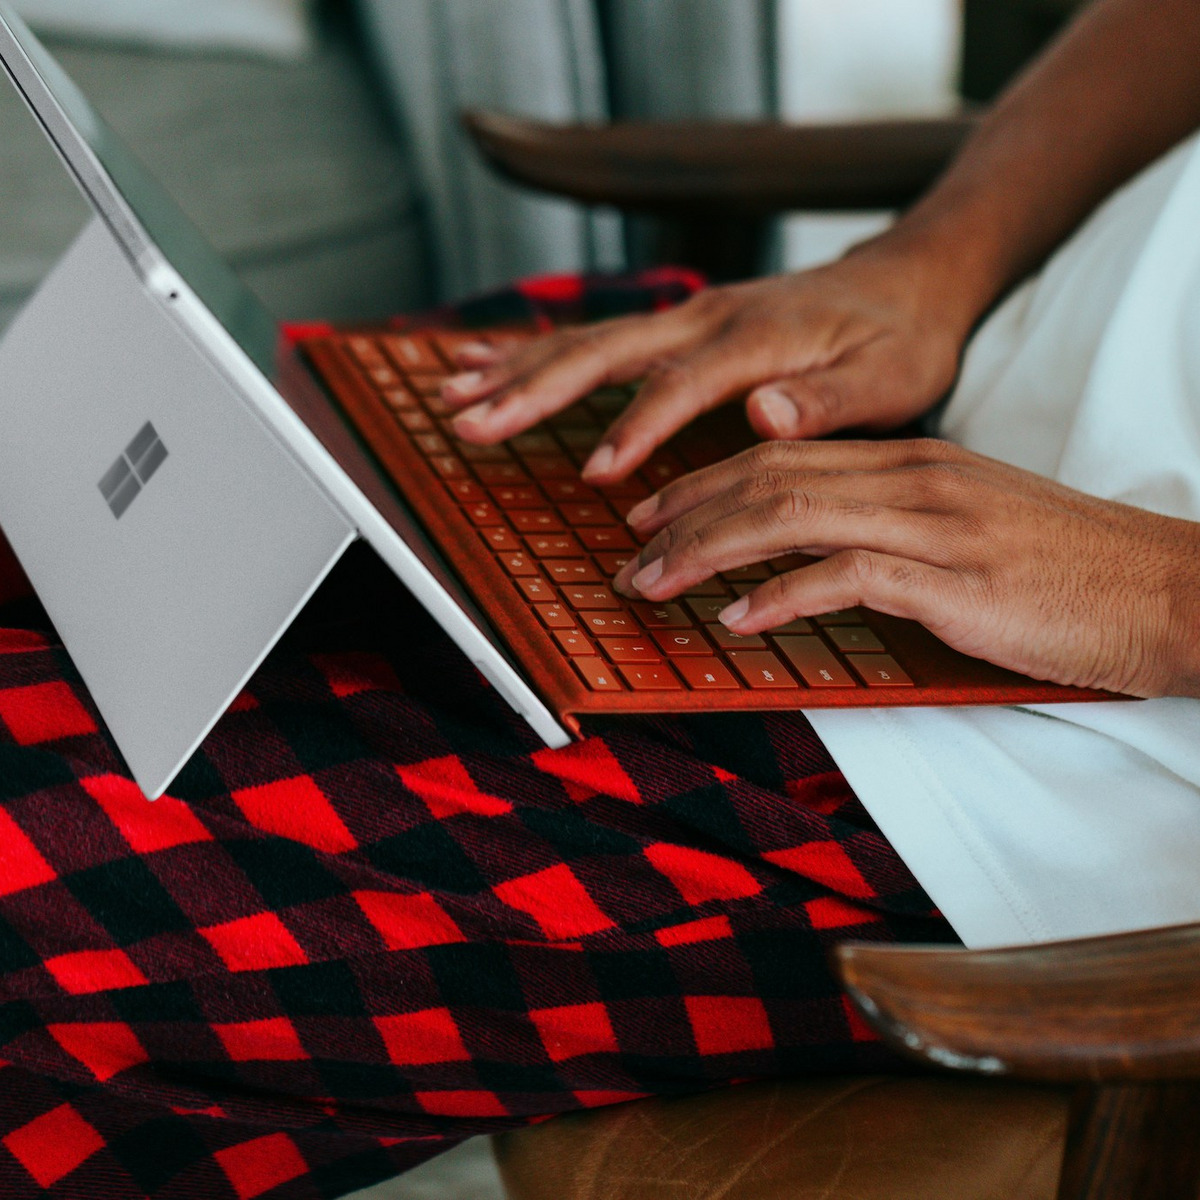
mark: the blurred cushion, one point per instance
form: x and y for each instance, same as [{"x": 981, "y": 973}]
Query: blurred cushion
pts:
[
  {"x": 279, "y": 28},
  {"x": 293, "y": 171},
  {"x": 869, "y": 1138}
]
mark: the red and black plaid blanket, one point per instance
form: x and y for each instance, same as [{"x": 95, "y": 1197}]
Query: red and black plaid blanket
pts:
[{"x": 376, "y": 916}]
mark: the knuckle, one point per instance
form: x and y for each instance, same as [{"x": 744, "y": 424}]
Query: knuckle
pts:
[
  {"x": 759, "y": 488},
  {"x": 943, "y": 481},
  {"x": 791, "y": 506},
  {"x": 770, "y": 457}
]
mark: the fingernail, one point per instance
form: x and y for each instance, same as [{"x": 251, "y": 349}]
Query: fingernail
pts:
[
  {"x": 779, "y": 410},
  {"x": 733, "y": 613},
  {"x": 642, "y": 511},
  {"x": 648, "y": 576},
  {"x": 600, "y": 463},
  {"x": 466, "y": 384},
  {"x": 478, "y": 350},
  {"x": 473, "y": 416}
]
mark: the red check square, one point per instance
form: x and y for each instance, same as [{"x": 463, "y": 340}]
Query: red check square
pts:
[
  {"x": 462, "y": 1104},
  {"x": 255, "y": 943},
  {"x": 729, "y": 1024},
  {"x": 94, "y": 971},
  {"x": 146, "y": 827},
  {"x": 298, "y": 810},
  {"x": 43, "y": 712},
  {"x": 699, "y": 876},
  {"x": 53, "y": 1145},
  {"x": 408, "y": 922},
  {"x": 574, "y": 1029},
  {"x": 258, "y": 1166},
  {"x": 416, "y": 1038},
  {"x": 557, "y": 901},
  {"x": 21, "y": 866},
  {"x": 105, "y": 1047},
  {"x": 272, "y": 1040}
]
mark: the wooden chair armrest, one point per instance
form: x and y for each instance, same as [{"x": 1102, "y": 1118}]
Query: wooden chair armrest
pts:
[
  {"x": 1119, "y": 1009},
  {"x": 738, "y": 168}
]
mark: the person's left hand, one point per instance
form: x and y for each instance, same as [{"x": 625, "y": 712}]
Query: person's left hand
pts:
[{"x": 999, "y": 563}]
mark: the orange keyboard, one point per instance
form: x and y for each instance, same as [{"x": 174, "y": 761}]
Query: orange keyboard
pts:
[{"x": 561, "y": 542}]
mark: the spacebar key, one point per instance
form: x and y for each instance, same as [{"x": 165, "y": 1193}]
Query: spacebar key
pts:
[{"x": 815, "y": 662}]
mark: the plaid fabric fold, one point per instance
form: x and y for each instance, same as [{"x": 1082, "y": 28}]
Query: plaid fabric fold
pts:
[{"x": 375, "y": 916}]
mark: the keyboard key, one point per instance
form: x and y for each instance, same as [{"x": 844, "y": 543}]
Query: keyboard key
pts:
[
  {"x": 415, "y": 421},
  {"x": 447, "y": 342},
  {"x": 597, "y": 674},
  {"x": 630, "y": 650},
  {"x": 500, "y": 538},
  {"x": 565, "y": 491},
  {"x": 815, "y": 662},
  {"x": 728, "y": 640},
  {"x": 366, "y": 350},
  {"x": 518, "y": 564},
  {"x": 609, "y": 624},
  {"x": 413, "y": 354},
  {"x": 555, "y": 545},
  {"x": 536, "y": 521},
  {"x": 474, "y": 453},
  {"x": 432, "y": 443},
  {"x": 632, "y": 488},
  {"x": 750, "y": 573},
  {"x": 607, "y": 402},
  {"x": 677, "y": 643},
  {"x": 484, "y": 514},
  {"x": 707, "y": 608},
  {"x": 661, "y": 469},
  {"x": 579, "y": 437},
  {"x": 651, "y": 679},
  {"x": 466, "y": 491},
  {"x": 593, "y": 599},
  {"x": 576, "y": 515},
  {"x": 400, "y": 399},
  {"x": 428, "y": 386},
  {"x": 449, "y": 466},
  {"x": 437, "y": 406},
  {"x": 710, "y": 587},
  {"x": 575, "y": 417},
  {"x": 535, "y": 589},
  {"x": 610, "y": 564},
  {"x": 761, "y": 669},
  {"x": 499, "y": 474},
  {"x": 855, "y": 638},
  {"x": 574, "y": 643},
  {"x": 841, "y": 616},
  {"x": 797, "y": 625},
  {"x": 534, "y": 442},
  {"x": 706, "y": 674},
  {"x": 384, "y": 377},
  {"x": 519, "y": 497},
  {"x": 879, "y": 670},
  {"x": 551, "y": 466},
  {"x": 661, "y": 616},
  {"x": 572, "y": 570},
  {"x": 554, "y": 616},
  {"x": 614, "y": 538}
]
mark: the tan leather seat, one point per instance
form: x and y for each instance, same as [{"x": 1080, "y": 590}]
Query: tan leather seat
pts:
[{"x": 870, "y": 1138}]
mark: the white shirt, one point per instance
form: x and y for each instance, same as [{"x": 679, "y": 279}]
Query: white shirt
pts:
[{"x": 1055, "y": 821}]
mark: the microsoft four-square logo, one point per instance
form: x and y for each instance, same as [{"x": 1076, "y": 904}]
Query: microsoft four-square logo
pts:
[{"x": 131, "y": 472}]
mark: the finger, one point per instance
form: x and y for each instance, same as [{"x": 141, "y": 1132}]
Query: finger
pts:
[
  {"x": 887, "y": 583},
  {"x": 672, "y": 396},
  {"x": 531, "y": 387},
  {"x": 778, "y": 463},
  {"x": 467, "y": 355},
  {"x": 727, "y": 534}
]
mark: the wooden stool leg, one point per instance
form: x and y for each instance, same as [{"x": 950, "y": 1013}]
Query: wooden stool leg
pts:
[{"x": 1133, "y": 1142}]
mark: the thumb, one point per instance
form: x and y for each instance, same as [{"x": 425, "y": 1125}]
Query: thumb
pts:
[{"x": 816, "y": 403}]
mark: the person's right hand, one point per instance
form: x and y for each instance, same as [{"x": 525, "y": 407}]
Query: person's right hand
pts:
[{"x": 870, "y": 342}]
